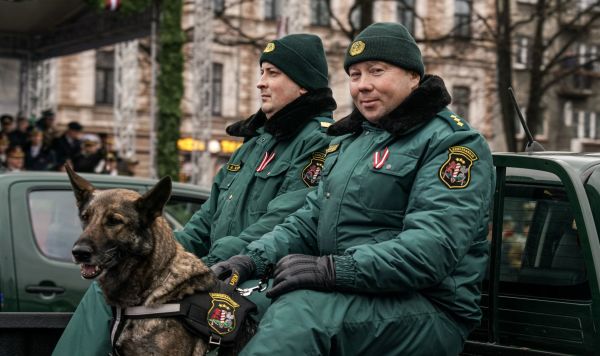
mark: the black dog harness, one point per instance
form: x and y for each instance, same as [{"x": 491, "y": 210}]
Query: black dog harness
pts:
[{"x": 216, "y": 316}]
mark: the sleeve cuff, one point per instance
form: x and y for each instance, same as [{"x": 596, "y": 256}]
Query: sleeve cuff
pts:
[
  {"x": 210, "y": 260},
  {"x": 259, "y": 263},
  {"x": 345, "y": 271}
]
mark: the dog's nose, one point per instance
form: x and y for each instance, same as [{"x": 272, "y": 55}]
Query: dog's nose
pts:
[{"x": 82, "y": 253}]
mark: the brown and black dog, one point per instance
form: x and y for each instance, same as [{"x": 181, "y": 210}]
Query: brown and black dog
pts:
[{"x": 129, "y": 247}]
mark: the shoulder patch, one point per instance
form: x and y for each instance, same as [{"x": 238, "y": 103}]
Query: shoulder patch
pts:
[
  {"x": 332, "y": 148},
  {"x": 311, "y": 174},
  {"x": 455, "y": 173},
  {"x": 325, "y": 124},
  {"x": 456, "y": 122}
]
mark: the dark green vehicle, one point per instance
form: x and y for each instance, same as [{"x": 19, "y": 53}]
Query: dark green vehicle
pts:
[
  {"x": 542, "y": 294},
  {"x": 39, "y": 284}
]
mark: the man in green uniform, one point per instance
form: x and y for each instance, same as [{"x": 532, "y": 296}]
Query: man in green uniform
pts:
[
  {"x": 387, "y": 255},
  {"x": 265, "y": 180}
]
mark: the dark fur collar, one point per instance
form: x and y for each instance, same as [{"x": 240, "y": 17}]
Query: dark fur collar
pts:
[
  {"x": 419, "y": 107},
  {"x": 289, "y": 120}
]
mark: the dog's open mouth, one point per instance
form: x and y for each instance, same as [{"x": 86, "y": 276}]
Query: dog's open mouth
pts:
[{"x": 90, "y": 271}]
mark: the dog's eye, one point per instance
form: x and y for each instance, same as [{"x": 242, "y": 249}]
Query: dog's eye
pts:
[
  {"x": 114, "y": 220},
  {"x": 85, "y": 217}
]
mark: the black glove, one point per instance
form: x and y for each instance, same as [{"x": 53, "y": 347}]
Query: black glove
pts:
[
  {"x": 303, "y": 272},
  {"x": 237, "y": 269}
]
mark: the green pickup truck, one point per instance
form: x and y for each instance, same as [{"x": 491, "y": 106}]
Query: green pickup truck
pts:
[{"x": 541, "y": 295}]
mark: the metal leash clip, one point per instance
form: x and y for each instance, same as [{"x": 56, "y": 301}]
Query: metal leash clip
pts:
[
  {"x": 247, "y": 291},
  {"x": 263, "y": 283}
]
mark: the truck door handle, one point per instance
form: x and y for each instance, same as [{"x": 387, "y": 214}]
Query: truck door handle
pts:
[{"x": 44, "y": 289}]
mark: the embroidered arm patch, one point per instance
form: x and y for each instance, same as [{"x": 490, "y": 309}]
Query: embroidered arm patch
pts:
[
  {"x": 456, "y": 171},
  {"x": 311, "y": 174}
]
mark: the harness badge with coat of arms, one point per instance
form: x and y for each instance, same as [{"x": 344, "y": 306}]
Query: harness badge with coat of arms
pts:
[
  {"x": 456, "y": 171},
  {"x": 311, "y": 174},
  {"x": 221, "y": 315}
]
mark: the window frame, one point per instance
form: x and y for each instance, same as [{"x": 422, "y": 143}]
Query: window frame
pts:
[
  {"x": 522, "y": 52},
  {"x": 272, "y": 9},
  {"x": 406, "y": 11},
  {"x": 463, "y": 21},
  {"x": 319, "y": 14},
  {"x": 107, "y": 72},
  {"x": 462, "y": 105},
  {"x": 216, "y": 105}
]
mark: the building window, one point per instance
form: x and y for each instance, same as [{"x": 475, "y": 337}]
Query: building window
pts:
[
  {"x": 460, "y": 102},
  {"x": 218, "y": 6},
  {"x": 586, "y": 124},
  {"x": 462, "y": 18},
  {"x": 593, "y": 54},
  {"x": 355, "y": 17},
  {"x": 319, "y": 14},
  {"x": 522, "y": 53},
  {"x": 217, "y": 89},
  {"x": 405, "y": 13},
  {"x": 105, "y": 77},
  {"x": 272, "y": 9}
]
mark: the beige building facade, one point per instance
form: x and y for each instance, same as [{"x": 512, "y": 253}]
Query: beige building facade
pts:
[{"x": 450, "y": 33}]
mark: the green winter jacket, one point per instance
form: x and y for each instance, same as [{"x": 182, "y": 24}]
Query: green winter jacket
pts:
[
  {"x": 265, "y": 180},
  {"x": 402, "y": 205}
]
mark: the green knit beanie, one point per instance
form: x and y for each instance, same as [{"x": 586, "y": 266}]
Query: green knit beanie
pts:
[
  {"x": 386, "y": 41},
  {"x": 301, "y": 57}
]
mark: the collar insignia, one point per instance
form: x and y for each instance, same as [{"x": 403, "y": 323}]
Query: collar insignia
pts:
[{"x": 332, "y": 148}]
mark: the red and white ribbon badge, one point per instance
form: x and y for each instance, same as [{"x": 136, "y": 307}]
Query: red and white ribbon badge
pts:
[
  {"x": 266, "y": 159},
  {"x": 379, "y": 158},
  {"x": 112, "y": 5}
]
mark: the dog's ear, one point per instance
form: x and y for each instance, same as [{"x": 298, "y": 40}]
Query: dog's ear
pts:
[
  {"x": 152, "y": 203},
  {"x": 82, "y": 188}
]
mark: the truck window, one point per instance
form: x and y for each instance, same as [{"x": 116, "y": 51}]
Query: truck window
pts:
[
  {"x": 56, "y": 225},
  {"x": 541, "y": 252},
  {"x": 179, "y": 211},
  {"x": 55, "y": 222}
]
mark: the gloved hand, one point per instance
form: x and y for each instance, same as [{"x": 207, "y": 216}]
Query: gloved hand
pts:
[
  {"x": 235, "y": 270},
  {"x": 303, "y": 272}
]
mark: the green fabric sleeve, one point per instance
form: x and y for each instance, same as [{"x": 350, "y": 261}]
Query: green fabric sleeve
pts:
[
  {"x": 297, "y": 234},
  {"x": 195, "y": 236}
]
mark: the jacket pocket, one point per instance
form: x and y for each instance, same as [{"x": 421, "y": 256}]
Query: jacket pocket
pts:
[
  {"x": 228, "y": 180},
  {"x": 387, "y": 189},
  {"x": 269, "y": 183}
]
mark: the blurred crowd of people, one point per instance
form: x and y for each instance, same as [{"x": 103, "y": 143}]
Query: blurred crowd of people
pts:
[{"x": 37, "y": 145}]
